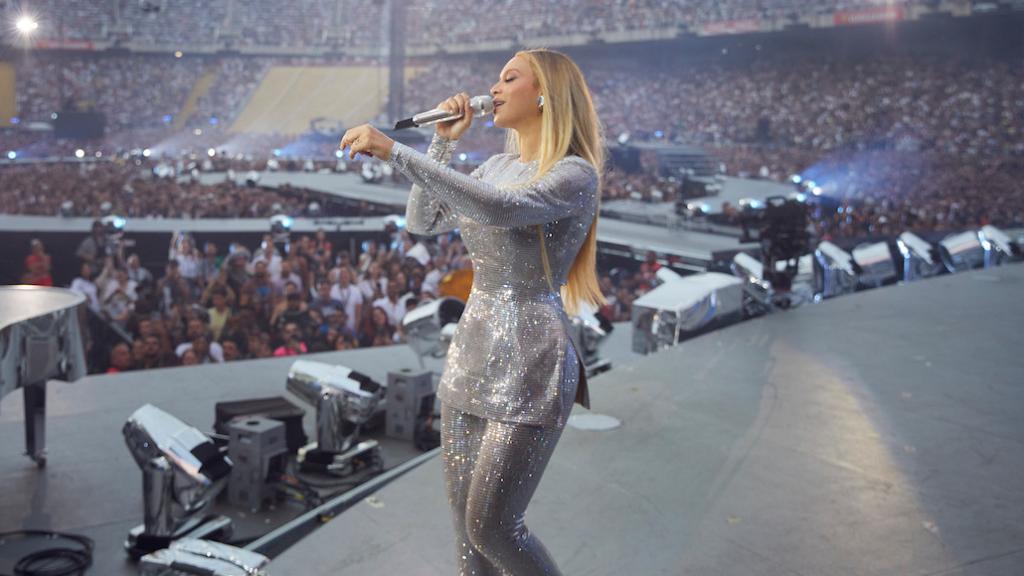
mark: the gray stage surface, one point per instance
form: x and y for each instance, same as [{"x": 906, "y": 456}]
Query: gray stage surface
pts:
[
  {"x": 91, "y": 485},
  {"x": 874, "y": 434}
]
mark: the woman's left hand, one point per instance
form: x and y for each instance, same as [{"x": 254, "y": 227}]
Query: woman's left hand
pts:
[{"x": 367, "y": 140}]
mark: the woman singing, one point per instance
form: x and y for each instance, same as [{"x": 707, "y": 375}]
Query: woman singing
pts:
[{"x": 528, "y": 218}]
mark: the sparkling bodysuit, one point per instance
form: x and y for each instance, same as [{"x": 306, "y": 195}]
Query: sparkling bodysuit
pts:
[{"x": 512, "y": 372}]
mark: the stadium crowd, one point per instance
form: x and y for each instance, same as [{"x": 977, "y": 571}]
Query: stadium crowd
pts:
[
  {"x": 132, "y": 91},
  {"x": 898, "y": 138},
  {"x": 221, "y": 303},
  {"x": 93, "y": 189},
  {"x": 185, "y": 24},
  {"x": 766, "y": 117},
  {"x": 441, "y": 22},
  {"x": 317, "y": 23},
  {"x": 825, "y": 104}
]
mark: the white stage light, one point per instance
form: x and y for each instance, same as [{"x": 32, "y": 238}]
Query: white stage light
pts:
[
  {"x": 833, "y": 271},
  {"x": 757, "y": 292},
  {"x": 876, "y": 264},
  {"x": 918, "y": 261},
  {"x": 26, "y": 25},
  {"x": 339, "y": 394},
  {"x": 183, "y": 471},
  {"x": 963, "y": 251},
  {"x": 998, "y": 245},
  {"x": 196, "y": 556},
  {"x": 430, "y": 326},
  {"x": 684, "y": 308}
]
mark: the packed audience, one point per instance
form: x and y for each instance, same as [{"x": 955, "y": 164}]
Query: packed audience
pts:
[
  {"x": 132, "y": 91},
  {"x": 184, "y": 24},
  {"x": 856, "y": 127},
  {"x": 883, "y": 194},
  {"x": 319, "y": 23},
  {"x": 93, "y": 189},
  {"x": 236, "y": 80},
  {"x": 440, "y": 22},
  {"x": 825, "y": 104},
  {"x": 285, "y": 297},
  {"x": 308, "y": 23},
  {"x": 770, "y": 115}
]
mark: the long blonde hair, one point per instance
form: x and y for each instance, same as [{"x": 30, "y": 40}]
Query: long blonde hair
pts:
[{"x": 569, "y": 125}]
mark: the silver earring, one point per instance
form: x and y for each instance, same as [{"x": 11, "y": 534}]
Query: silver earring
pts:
[{"x": 540, "y": 101}]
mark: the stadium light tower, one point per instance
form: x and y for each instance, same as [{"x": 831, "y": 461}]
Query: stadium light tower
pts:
[{"x": 26, "y": 25}]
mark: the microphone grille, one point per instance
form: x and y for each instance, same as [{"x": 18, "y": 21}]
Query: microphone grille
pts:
[{"x": 483, "y": 104}]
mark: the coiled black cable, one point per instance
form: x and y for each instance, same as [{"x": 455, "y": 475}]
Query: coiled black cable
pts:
[{"x": 53, "y": 561}]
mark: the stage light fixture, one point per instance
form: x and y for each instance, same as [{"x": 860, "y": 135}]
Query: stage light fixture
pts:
[
  {"x": 589, "y": 331},
  {"x": 344, "y": 401},
  {"x": 875, "y": 264},
  {"x": 205, "y": 558},
  {"x": 182, "y": 474},
  {"x": 834, "y": 274},
  {"x": 917, "y": 257},
  {"x": 430, "y": 326},
  {"x": 963, "y": 251},
  {"x": 997, "y": 244},
  {"x": 757, "y": 292},
  {"x": 685, "y": 308}
]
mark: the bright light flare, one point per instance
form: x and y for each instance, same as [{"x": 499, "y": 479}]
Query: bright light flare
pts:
[{"x": 26, "y": 25}]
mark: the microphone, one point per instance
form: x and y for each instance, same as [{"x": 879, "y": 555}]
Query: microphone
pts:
[{"x": 481, "y": 105}]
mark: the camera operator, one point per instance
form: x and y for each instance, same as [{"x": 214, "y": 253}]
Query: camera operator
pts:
[{"x": 93, "y": 248}]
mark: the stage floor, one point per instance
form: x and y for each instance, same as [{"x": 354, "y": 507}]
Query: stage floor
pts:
[
  {"x": 91, "y": 485},
  {"x": 875, "y": 434}
]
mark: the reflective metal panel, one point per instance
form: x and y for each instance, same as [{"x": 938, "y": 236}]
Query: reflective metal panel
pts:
[
  {"x": 833, "y": 271},
  {"x": 678, "y": 310}
]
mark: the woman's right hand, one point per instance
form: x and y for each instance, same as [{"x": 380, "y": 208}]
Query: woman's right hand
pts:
[{"x": 453, "y": 129}]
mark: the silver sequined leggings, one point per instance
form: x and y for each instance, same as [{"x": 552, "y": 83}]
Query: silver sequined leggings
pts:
[{"x": 491, "y": 470}]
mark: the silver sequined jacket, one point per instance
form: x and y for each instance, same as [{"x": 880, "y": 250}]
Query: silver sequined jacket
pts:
[{"x": 512, "y": 357}]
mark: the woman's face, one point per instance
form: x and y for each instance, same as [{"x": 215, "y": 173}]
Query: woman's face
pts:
[{"x": 515, "y": 94}]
